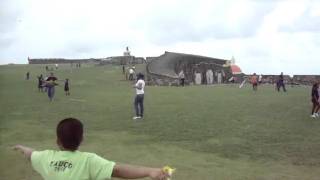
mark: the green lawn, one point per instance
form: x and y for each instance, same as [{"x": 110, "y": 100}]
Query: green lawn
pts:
[{"x": 206, "y": 132}]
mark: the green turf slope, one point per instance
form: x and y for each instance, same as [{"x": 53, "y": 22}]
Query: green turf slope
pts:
[{"x": 206, "y": 132}]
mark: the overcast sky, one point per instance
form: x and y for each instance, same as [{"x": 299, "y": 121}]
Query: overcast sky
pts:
[{"x": 264, "y": 36}]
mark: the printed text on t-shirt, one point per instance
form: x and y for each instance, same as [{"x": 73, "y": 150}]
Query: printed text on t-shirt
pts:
[{"x": 60, "y": 165}]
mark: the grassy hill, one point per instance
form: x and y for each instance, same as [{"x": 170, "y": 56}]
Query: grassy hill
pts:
[{"x": 206, "y": 132}]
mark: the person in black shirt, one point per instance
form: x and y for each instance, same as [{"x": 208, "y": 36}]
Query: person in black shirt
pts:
[
  {"x": 28, "y": 76},
  {"x": 66, "y": 87},
  {"x": 280, "y": 83},
  {"x": 315, "y": 100},
  {"x": 40, "y": 81}
]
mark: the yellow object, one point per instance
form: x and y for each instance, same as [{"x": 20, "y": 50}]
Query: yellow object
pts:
[{"x": 169, "y": 170}]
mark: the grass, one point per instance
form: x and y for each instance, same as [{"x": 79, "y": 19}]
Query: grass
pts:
[{"x": 206, "y": 132}]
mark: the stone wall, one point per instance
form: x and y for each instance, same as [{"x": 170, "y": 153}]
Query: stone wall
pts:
[
  {"x": 296, "y": 79},
  {"x": 62, "y": 61},
  {"x": 306, "y": 79},
  {"x": 123, "y": 60},
  {"x": 149, "y": 59},
  {"x": 164, "y": 70},
  {"x": 160, "y": 80},
  {"x": 271, "y": 79},
  {"x": 202, "y": 67},
  {"x": 118, "y": 60}
]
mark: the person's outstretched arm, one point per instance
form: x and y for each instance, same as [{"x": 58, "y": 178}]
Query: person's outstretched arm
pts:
[
  {"x": 25, "y": 150},
  {"x": 134, "y": 172}
]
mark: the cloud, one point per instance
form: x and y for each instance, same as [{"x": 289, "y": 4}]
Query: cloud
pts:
[
  {"x": 264, "y": 36},
  {"x": 9, "y": 16},
  {"x": 6, "y": 41},
  {"x": 308, "y": 21},
  {"x": 210, "y": 19}
]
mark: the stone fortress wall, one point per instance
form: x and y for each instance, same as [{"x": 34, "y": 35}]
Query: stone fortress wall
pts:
[
  {"x": 306, "y": 79},
  {"x": 295, "y": 79},
  {"x": 164, "y": 70},
  {"x": 126, "y": 59},
  {"x": 123, "y": 60},
  {"x": 62, "y": 61},
  {"x": 116, "y": 60}
]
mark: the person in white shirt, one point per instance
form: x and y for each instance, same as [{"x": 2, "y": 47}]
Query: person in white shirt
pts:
[
  {"x": 260, "y": 79},
  {"x": 131, "y": 72},
  {"x": 181, "y": 77},
  {"x": 138, "y": 101}
]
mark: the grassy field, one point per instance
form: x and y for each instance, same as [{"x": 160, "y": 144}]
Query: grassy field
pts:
[{"x": 206, "y": 132}]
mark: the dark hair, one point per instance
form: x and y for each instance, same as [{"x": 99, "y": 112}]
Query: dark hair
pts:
[
  {"x": 140, "y": 76},
  {"x": 70, "y": 133}
]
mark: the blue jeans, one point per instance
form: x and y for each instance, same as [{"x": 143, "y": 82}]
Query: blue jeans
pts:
[
  {"x": 138, "y": 104},
  {"x": 50, "y": 91}
]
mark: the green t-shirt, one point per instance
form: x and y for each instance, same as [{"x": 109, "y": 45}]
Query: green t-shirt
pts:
[{"x": 67, "y": 165}]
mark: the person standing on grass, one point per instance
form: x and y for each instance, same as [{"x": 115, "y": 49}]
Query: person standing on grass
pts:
[
  {"x": 28, "y": 75},
  {"x": 40, "y": 82},
  {"x": 131, "y": 73},
  {"x": 181, "y": 77},
  {"x": 66, "y": 87},
  {"x": 138, "y": 101},
  {"x": 315, "y": 100},
  {"x": 319, "y": 92},
  {"x": 68, "y": 163},
  {"x": 260, "y": 79},
  {"x": 44, "y": 84},
  {"x": 280, "y": 83},
  {"x": 254, "y": 82},
  {"x": 50, "y": 84}
]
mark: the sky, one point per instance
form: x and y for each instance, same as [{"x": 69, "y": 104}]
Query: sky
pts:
[{"x": 264, "y": 36}]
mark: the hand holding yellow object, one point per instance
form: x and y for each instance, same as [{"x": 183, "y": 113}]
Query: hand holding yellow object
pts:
[{"x": 168, "y": 170}]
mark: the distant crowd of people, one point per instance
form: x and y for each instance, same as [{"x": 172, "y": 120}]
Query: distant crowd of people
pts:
[
  {"x": 256, "y": 80},
  {"x": 47, "y": 84},
  {"x": 70, "y": 163},
  {"x": 315, "y": 92}
]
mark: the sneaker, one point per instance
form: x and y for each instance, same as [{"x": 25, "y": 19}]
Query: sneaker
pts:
[
  {"x": 313, "y": 116},
  {"x": 316, "y": 114},
  {"x": 136, "y": 117}
]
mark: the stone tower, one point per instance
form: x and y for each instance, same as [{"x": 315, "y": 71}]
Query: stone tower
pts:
[
  {"x": 127, "y": 52},
  {"x": 233, "y": 61}
]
